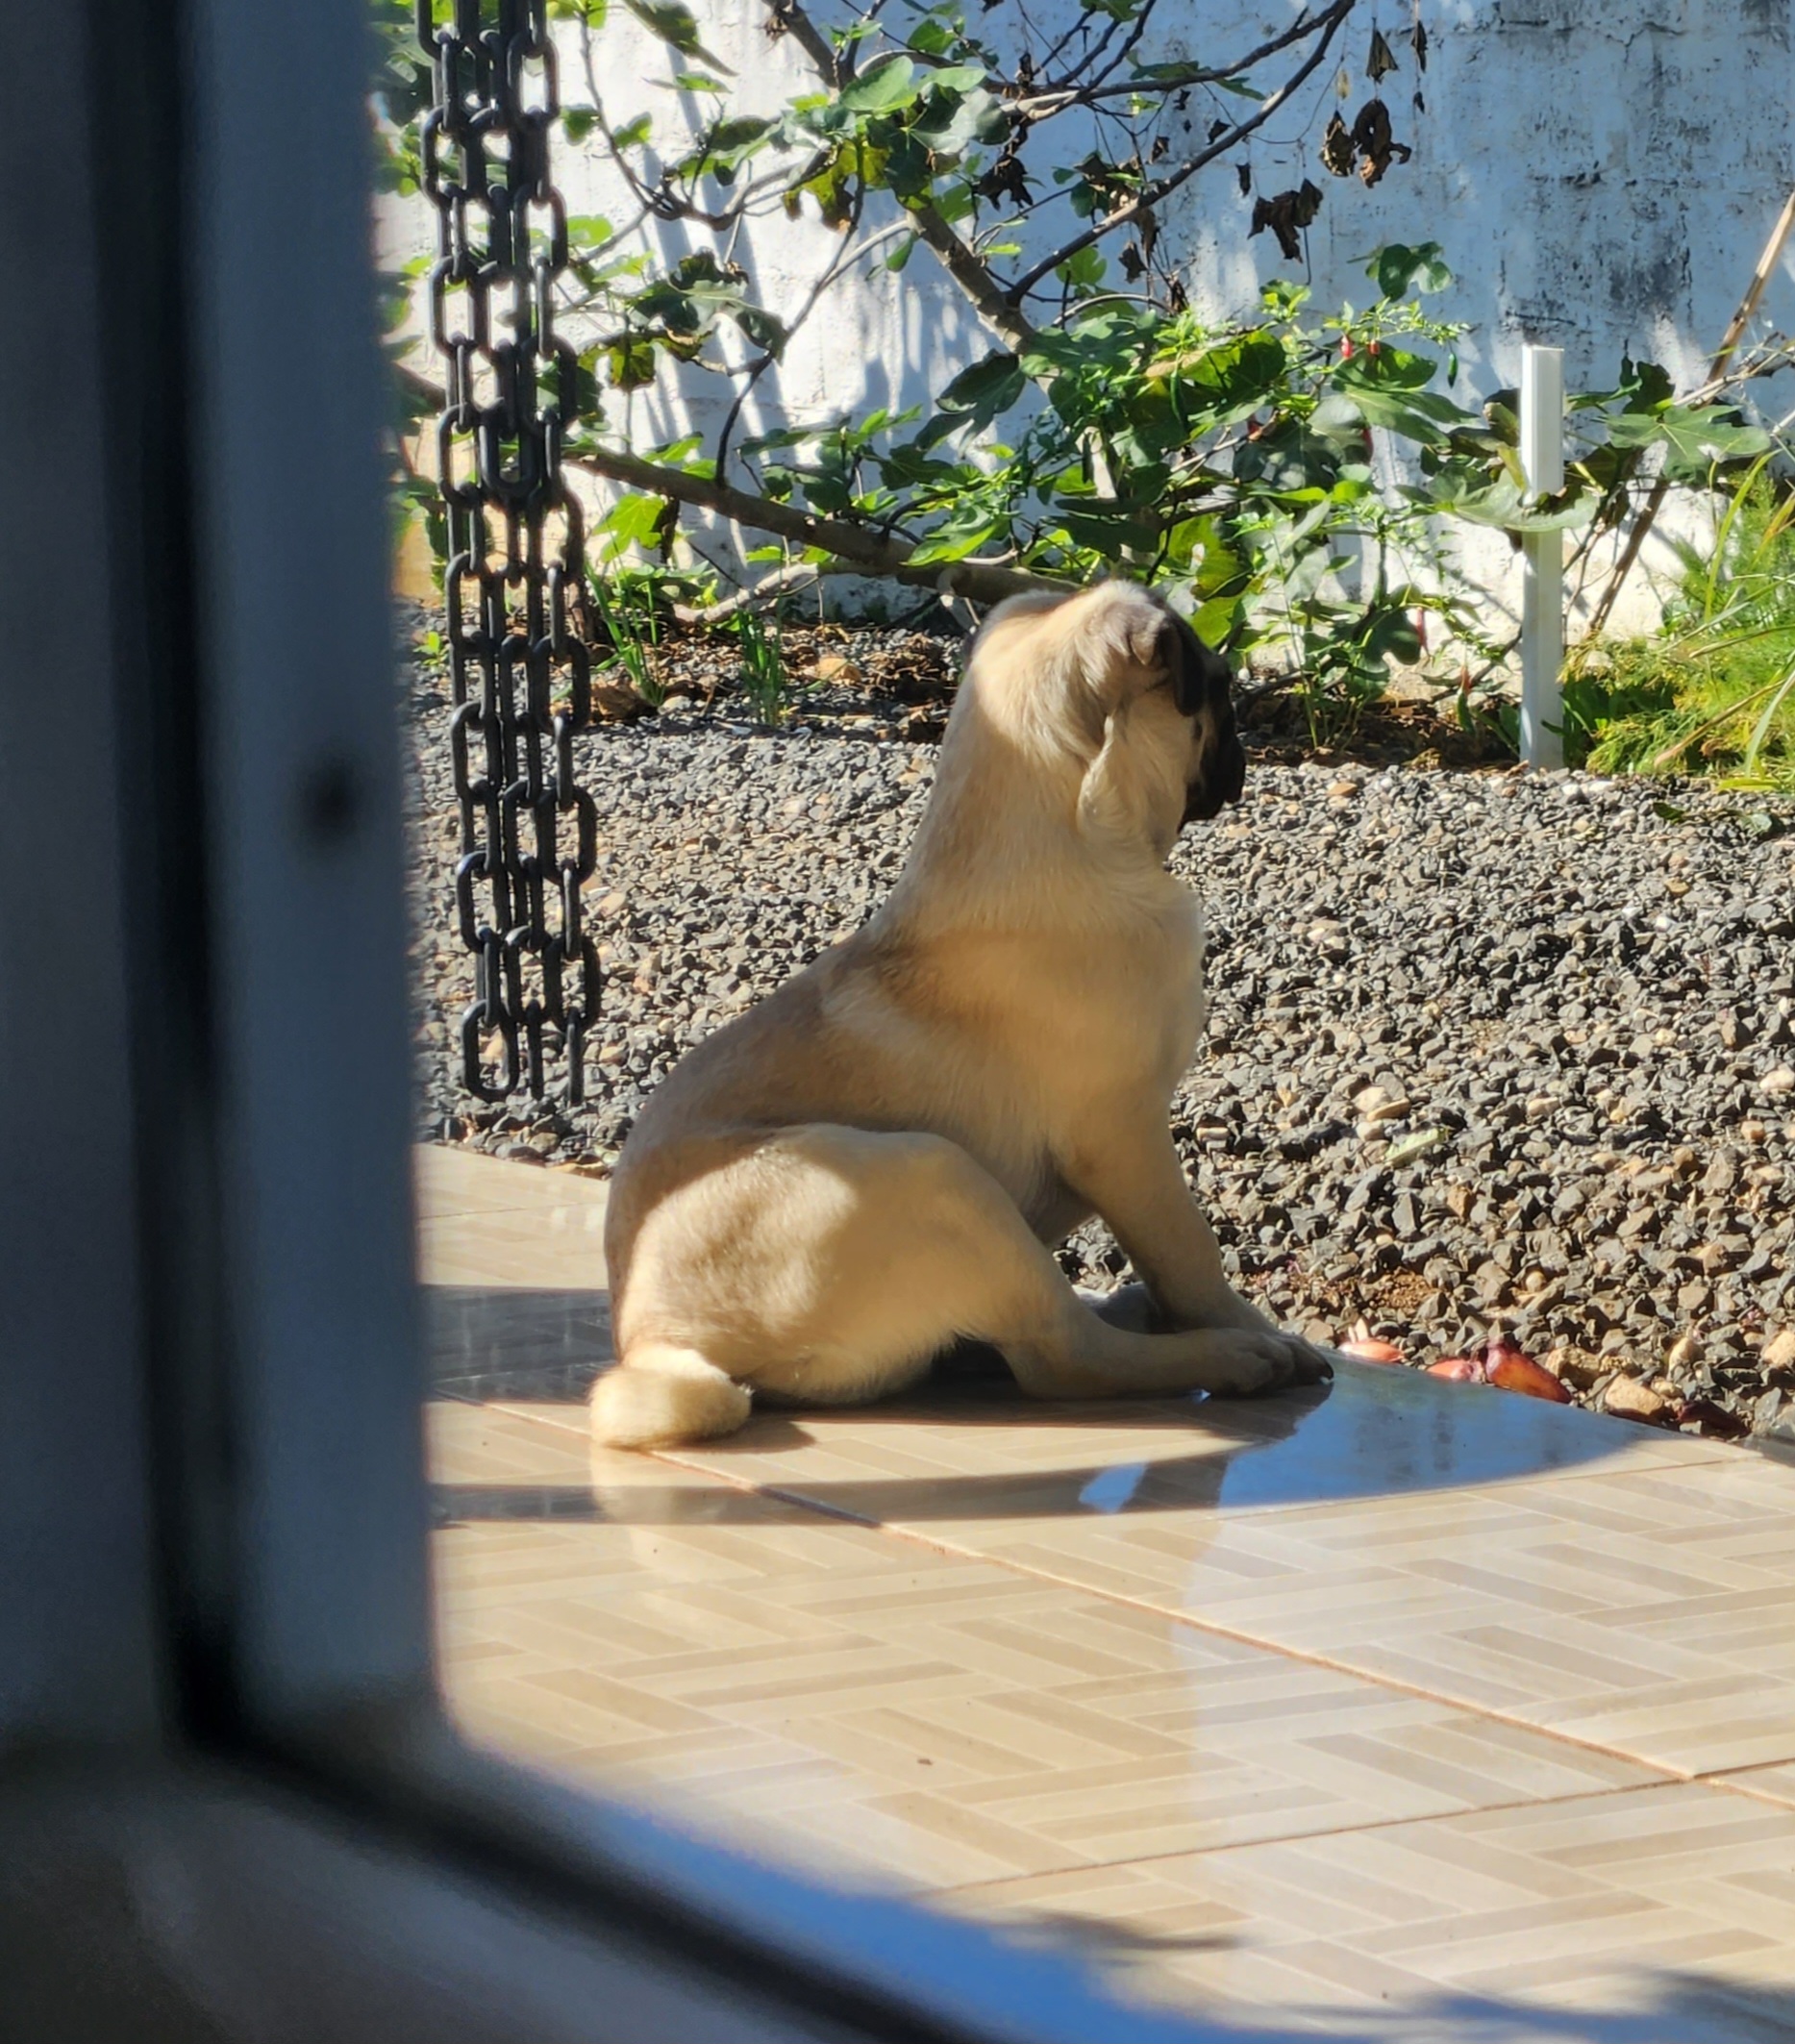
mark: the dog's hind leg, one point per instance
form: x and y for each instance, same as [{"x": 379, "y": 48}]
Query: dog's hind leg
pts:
[
  {"x": 938, "y": 1247},
  {"x": 829, "y": 1265}
]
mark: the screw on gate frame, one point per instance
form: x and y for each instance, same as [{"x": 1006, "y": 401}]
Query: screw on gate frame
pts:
[{"x": 329, "y": 801}]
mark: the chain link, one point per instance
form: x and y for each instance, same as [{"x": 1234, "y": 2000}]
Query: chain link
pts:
[{"x": 519, "y": 660}]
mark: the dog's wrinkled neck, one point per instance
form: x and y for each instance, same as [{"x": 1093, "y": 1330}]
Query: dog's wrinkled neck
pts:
[{"x": 996, "y": 830}]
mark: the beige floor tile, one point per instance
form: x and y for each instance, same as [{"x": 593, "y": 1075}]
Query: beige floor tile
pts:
[
  {"x": 520, "y": 1345},
  {"x": 451, "y": 1182},
  {"x": 1630, "y": 1590},
  {"x": 969, "y": 1453},
  {"x": 1352, "y": 1712},
  {"x": 473, "y": 1444},
  {"x": 1648, "y": 1611},
  {"x": 558, "y": 1247},
  {"x": 1675, "y": 1903},
  {"x": 941, "y": 1720},
  {"x": 1777, "y": 1783}
]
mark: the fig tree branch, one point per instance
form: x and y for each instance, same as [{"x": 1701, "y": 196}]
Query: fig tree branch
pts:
[
  {"x": 987, "y": 298},
  {"x": 978, "y": 582},
  {"x": 852, "y": 549},
  {"x": 1054, "y": 99},
  {"x": 1328, "y": 23}
]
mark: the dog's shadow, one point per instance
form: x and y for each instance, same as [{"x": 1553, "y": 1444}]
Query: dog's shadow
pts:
[{"x": 1371, "y": 1432}]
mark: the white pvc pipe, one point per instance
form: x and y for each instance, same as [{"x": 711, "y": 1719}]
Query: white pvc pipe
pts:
[{"x": 1542, "y": 559}]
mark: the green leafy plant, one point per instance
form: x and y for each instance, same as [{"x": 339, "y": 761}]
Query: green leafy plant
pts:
[
  {"x": 1715, "y": 692},
  {"x": 1292, "y": 480},
  {"x": 629, "y": 609}
]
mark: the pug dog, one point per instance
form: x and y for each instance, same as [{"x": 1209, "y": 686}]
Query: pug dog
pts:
[{"x": 875, "y": 1163}]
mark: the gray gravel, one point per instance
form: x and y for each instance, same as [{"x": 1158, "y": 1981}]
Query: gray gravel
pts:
[{"x": 1486, "y": 1051}]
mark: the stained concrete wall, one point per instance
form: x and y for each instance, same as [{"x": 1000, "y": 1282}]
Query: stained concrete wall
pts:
[{"x": 1600, "y": 174}]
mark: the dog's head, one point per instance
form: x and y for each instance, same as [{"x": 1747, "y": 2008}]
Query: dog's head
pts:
[
  {"x": 1113, "y": 685},
  {"x": 1164, "y": 708}
]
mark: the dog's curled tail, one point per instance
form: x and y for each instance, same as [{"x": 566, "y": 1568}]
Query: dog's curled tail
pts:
[{"x": 664, "y": 1395}]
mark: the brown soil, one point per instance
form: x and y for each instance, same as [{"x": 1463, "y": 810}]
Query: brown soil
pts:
[
  {"x": 1398, "y": 730},
  {"x": 904, "y": 681}
]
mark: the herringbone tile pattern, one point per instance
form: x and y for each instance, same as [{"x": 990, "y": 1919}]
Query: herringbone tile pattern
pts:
[
  {"x": 1671, "y": 1898},
  {"x": 943, "y": 1718},
  {"x": 1777, "y": 1783},
  {"x": 1643, "y": 1599},
  {"x": 1406, "y": 1711}
]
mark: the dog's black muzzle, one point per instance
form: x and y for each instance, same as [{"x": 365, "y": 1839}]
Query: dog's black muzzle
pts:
[
  {"x": 1202, "y": 688},
  {"x": 1221, "y": 780}
]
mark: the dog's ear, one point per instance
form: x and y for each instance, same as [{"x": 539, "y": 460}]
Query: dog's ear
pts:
[
  {"x": 1169, "y": 650},
  {"x": 1199, "y": 675},
  {"x": 1191, "y": 663},
  {"x": 1134, "y": 645}
]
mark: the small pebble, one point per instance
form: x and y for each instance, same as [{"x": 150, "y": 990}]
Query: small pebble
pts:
[{"x": 1627, "y": 1398}]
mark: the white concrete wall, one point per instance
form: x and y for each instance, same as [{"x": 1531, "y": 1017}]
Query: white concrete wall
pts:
[
  {"x": 877, "y": 338},
  {"x": 1600, "y": 174}
]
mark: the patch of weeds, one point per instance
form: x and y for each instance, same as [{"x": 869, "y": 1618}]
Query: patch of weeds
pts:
[
  {"x": 629, "y": 611},
  {"x": 1614, "y": 694},
  {"x": 764, "y": 679},
  {"x": 1715, "y": 694},
  {"x": 1493, "y": 720}
]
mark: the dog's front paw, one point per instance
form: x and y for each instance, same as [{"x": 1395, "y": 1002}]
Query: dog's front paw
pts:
[
  {"x": 1226, "y": 1308},
  {"x": 1312, "y": 1363},
  {"x": 1309, "y": 1363},
  {"x": 1241, "y": 1363}
]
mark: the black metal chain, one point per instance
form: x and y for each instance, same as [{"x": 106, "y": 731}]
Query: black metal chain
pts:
[{"x": 518, "y": 661}]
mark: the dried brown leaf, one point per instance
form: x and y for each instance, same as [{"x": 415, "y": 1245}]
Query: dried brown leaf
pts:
[
  {"x": 1337, "y": 148},
  {"x": 1376, "y": 145}
]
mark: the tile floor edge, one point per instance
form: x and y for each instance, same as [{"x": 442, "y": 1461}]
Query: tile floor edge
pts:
[{"x": 1365, "y": 1827}]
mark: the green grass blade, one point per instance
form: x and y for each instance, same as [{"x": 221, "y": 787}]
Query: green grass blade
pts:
[{"x": 1761, "y": 730}]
